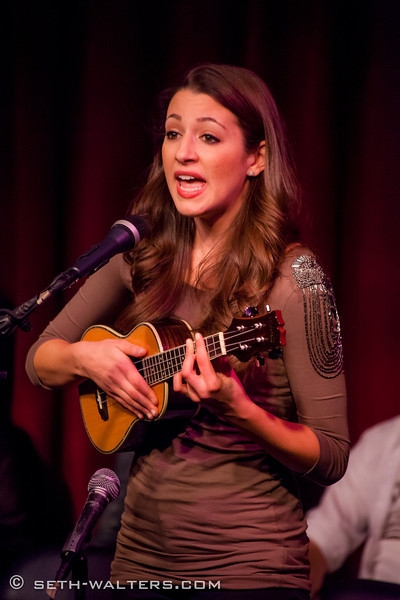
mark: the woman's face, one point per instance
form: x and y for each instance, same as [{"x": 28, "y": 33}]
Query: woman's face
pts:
[{"x": 204, "y": 158}]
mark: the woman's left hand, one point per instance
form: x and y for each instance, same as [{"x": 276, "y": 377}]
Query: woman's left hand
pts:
[{"x": 220, "y": 391}]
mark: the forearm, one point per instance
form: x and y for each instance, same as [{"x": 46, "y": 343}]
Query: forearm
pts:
[
  {"x": 57, "y": 363},
  {"x": 293, "y": 444}
]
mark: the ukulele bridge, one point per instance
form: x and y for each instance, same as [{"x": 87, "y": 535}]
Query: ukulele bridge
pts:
[{"x": 101, "y": 401}]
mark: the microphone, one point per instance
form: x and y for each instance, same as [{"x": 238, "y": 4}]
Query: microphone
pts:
[
  {"x": 124, "y": 235},
  {"x": 104, "y": 486}
]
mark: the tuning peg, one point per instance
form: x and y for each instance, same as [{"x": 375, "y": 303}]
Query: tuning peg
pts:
[
  {"x": 251, "y": 311},
  {"x": 260, "y": 360}
]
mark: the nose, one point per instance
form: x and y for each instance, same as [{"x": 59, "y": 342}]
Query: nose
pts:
[{"x": 186, "y": 149}]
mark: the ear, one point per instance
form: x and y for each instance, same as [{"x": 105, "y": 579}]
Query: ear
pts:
[{"x": 257, "y": 162}]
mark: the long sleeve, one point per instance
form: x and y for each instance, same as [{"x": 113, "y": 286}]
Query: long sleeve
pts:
[{"x": 313, "y": 361}]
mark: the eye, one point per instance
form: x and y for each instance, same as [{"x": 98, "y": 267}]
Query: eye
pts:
[
  {"x": 209, "y": 138},
  {"x": 171, "y": 135}
]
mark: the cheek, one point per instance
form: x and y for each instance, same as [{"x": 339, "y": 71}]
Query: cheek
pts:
[
  {"x": 167, "y": 164},
  {"x": 163, "y": 155},
  {"x": 231, "y": 171},
  {"x": 167, "y": 152},
  {"x": 223, "y": 165}
]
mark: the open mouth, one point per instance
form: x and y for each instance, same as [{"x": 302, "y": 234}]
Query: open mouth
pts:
[{"x": 188, "y": 183}]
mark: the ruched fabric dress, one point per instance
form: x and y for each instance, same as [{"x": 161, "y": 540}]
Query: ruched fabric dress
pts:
[{"x": 210, "y": 505}]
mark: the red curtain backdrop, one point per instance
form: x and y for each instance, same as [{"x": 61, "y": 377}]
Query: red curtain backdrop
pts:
[{"x": 78, "y": 80}]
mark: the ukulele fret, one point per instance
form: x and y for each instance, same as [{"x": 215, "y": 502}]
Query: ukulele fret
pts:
[
  {"x": 160, "y": 367},
  {"x": 215, "y": 345}
]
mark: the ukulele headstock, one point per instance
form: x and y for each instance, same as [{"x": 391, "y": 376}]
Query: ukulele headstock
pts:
[{"x": 251, "y": 335}]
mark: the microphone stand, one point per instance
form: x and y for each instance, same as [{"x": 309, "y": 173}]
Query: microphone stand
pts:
[
  {"x": 77, "y": 565},
  {"x": 79, "y": 575},
  {"x": 18, "y": 317}
]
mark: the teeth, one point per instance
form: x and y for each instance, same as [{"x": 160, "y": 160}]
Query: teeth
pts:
[{"x": 186, "y": 177}]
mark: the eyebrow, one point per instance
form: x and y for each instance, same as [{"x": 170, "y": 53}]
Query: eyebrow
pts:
[{"x": 199, "y": 120}]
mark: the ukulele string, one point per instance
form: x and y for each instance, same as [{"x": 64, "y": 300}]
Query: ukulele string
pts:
[{"x": 161, "y": 366}]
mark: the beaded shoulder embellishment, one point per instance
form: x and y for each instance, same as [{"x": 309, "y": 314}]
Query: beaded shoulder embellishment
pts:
[{"x": 324, "y": 340}]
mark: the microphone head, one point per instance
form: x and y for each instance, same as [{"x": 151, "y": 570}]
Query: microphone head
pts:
[
  {"x": 105, "y": 480},
  {"x": 128, "y": 232},
  {"x": 140, "y": 223}
]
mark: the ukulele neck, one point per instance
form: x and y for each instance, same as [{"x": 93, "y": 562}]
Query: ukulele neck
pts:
[{"x": 160, "y": 367}]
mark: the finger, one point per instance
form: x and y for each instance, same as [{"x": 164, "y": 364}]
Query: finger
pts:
[
  {"x": 203, "y": 361},
  {"x": 192, "y": 394},
  {"x": 140, "y": 390},
  {"x": 142, "y": 395},
  {"x": 130, "y": 349},
  {"x": 132, "y": 381},
  {"x": 133, "y": 391},
  {"x": 136, "y": 404},
  {"x": 189, "y": 362},
  {"x": 202, "y": 355},
  {"x": 178, "y": 383},
  {"x": 135, "y": 350}
]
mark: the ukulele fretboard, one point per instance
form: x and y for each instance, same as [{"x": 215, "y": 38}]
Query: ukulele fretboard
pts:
[{"x": 160, "y": 367}]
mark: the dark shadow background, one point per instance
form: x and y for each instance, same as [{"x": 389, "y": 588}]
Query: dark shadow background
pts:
[{"x": 78, "y": 80}]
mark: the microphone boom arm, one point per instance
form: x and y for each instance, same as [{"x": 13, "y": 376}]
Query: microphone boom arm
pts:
[{"x": 18, "y": 317}]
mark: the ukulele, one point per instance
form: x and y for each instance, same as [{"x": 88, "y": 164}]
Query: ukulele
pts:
[{"x": 110, "y": 426}]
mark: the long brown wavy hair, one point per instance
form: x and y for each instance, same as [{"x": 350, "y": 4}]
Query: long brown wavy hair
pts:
[{"x": 243, "y": 269}]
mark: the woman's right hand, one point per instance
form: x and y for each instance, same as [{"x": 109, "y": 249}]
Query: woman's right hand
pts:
[{"x": 106, "y": 362}]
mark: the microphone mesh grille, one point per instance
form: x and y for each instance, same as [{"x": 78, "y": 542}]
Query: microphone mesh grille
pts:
[{"x": 107, "y": 480}]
